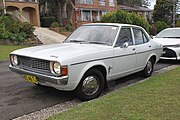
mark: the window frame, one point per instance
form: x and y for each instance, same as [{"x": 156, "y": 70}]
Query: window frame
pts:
[
  {"x": 144, "y": 35},
  {"x": 118, "y": 34}
]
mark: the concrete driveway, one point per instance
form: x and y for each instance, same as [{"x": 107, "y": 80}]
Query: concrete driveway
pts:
[{"x": 47, "y": 36}]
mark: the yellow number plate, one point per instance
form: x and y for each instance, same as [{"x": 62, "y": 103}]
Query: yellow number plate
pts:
[{"x": 31, "y": 79}]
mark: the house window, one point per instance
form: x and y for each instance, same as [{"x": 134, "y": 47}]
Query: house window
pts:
[
  {"x": 102, "y": 2},
  {"x": 86, "y": 15},
  {"x": 84, "y": 1},
  {"x": 104, "y": 12},
  {"x": 111, "y": 3}
]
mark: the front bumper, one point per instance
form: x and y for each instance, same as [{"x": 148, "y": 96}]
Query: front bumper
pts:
[
  {"x": 42, "y": 79},
  {"x": 171, "y": 53}
]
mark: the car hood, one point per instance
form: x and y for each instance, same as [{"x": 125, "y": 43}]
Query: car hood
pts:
[
  {"x": 65, "y": 51},
  {"x": 167, "y": 41}
]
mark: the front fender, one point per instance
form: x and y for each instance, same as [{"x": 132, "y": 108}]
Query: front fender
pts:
[{"x": 77, "y": 71}]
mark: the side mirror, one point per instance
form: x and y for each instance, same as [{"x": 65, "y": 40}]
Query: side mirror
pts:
[
  {"x": 153, "y": 36},
  {"x": 125, "y": 45}
]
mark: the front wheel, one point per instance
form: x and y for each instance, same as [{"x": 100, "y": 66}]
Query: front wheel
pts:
[
  {"x": 147, "y": 72},
  {"x": 91, "y": 85}
]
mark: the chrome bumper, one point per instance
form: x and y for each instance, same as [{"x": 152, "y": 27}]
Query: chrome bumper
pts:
[{"x": 41, "y": 77}]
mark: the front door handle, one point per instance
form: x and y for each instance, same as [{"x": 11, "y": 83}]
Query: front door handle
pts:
[
  {"x": 150, "y": 46},
  {"x": 134, "y": 49}
]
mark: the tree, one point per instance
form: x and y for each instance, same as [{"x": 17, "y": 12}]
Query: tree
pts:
[
  {"x": 163, "y": 11},
  {"x": 133, "y": 3},
  {"x": 125, "y": 18},
  {"x": 47, "y": 8}
]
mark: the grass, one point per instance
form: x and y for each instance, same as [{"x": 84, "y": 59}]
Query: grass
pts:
[
  {"x": 155, "y": 99},
  {"x": 5, "y": 51}
]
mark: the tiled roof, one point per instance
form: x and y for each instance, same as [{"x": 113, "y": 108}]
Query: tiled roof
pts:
[{"x": 137, "y": 8}]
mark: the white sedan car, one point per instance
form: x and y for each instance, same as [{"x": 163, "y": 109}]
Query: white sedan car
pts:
[
  {"x": 170, "y": 39},
  {"x": 90, "y": 57}
]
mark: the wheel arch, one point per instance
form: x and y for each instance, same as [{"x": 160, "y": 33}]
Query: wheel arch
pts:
[
  {"x": 99, "y": 66},
  {"x": 153, "y": 57}
]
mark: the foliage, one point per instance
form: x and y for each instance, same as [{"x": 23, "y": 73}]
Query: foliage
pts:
[
  {"x": 157, "y": 98},
  {"x": 178, "y": 23},
  {"x": 160, "y": 26},
  {"x": 47, "y": 9},
  {"x": 69, "y": 28},
  {"x": 125, "y": 18},
  {"x": 163, "y": 11},
  {"x": 135, "y": 2},
  {"x": 14, "y": 30},
  {"x": 47, "y": 21},
  {"x": 55, "y": 25}
]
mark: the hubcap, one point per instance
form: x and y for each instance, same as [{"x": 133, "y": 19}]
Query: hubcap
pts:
[
  {"x": 149, "y": 67},
  {"x": 90, "y": 85}
]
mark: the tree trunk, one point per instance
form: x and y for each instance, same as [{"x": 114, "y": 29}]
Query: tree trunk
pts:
[{"x": 59, "y": 11}]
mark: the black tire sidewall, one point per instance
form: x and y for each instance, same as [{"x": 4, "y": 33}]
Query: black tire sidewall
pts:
[
  {"x": 93, "y": 72},
  {"x": 145, "y": 71}
]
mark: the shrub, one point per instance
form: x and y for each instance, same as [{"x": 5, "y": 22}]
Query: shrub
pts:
[
  {"x": 69, "y": 27},
  {"x": 178, "y": 23},
  {"x": 125, "y": 18},
  {"x": 55, "y": 25},
  {"x": 47, "y": 21},
  {"x": 26, "y": 28},
  {"x": 160, "y": 25},
  {"x": 11, "y": 29}
]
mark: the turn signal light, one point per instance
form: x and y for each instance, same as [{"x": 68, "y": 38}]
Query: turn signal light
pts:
[{"x": 64, "y": 71}]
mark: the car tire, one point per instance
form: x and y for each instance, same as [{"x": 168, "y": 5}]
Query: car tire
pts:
[
  {"x": 148, "y": 70},
  {"x": 91, "y": 85}
]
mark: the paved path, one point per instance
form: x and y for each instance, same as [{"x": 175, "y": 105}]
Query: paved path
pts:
[{"x": 47, "y": 36}]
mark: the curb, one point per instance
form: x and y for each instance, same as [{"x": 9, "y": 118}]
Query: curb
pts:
[
  {"x": 46, "y": 112},
  {"x": 155, "y": 73},
  {"x": 59, "y": 108}
]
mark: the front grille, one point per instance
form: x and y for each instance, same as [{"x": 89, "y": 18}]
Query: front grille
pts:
[
  {"x": 34, "y": 64},
  {"x": 169, "y": 53}
]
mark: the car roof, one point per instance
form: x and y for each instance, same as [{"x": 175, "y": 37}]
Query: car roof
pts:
[
  {"x": 176, "y": 28},
  {"x": 112, "y": 24}
]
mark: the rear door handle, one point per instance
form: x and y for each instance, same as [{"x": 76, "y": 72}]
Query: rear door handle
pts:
[
  {"x": 150, "y": 46},
  {"x": 134, "y": 49}
]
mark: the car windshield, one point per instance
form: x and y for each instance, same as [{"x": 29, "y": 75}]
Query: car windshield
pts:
[
  {"x": 169, "y": 33},
  {"x": 94, "y": 34}
]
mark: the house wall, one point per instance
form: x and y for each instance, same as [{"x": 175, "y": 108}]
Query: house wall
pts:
[
  {"x": 95, "y": 11},
  {"x": 24, "y": 8}
]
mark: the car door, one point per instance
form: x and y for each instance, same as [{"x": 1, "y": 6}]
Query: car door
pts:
[
  {"x": 143, "y": 47},
  {"x": 124, "y": 53}
]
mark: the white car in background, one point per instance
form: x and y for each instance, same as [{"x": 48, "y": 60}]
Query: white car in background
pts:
[
  {"x": 90, "y": 57},
  {"x": 170, "y": 39}
]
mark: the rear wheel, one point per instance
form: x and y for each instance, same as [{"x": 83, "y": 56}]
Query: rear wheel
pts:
[
  {"x": 147, "y": 72},
  {"x": 91, "y": 85}
]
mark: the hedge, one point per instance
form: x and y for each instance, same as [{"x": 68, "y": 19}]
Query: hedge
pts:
[{"x": 125, "y": 18}]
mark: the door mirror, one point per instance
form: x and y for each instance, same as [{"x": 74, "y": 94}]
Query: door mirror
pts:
[
  {"x": 153, "y": 36},
  {"x": 125, "y": 45}
]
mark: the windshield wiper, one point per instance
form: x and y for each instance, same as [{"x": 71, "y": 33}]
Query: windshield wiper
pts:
[
  {"x": 77, "y": 40},
  {"x": 97, "y": 42},
  {"x": 170, "y": 37}
]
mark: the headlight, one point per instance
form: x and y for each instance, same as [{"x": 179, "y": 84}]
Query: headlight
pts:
[
  {"x": 55, "y": 68},
  {"x": 14, "y": 60}
]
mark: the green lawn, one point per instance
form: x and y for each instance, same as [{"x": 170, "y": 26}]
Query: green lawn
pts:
[
  {"x": 155, "y": 99},
  {"x": 5, "y": 50}
]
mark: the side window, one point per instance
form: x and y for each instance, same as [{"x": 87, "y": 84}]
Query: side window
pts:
[
  {"x": 139, "y": 36},
  {"x": 145, "y": 38},
  {"x": 124, "y": 36}
]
